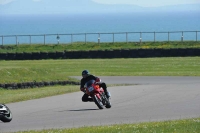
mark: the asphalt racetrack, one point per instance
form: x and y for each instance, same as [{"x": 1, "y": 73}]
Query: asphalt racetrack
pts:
[{"x": 152, "y": 99}]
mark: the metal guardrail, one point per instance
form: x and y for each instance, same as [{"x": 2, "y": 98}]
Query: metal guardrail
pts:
[{"x": 101, "y": 37}]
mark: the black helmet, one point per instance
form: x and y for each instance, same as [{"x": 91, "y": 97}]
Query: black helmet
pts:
[{"x": 85, "y": 72}]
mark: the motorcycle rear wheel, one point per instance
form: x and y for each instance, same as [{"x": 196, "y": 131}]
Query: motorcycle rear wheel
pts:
[{"x": 98, "y": 102}]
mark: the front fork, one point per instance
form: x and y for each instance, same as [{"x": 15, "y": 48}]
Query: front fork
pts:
[{"x": 104, "y": 98}]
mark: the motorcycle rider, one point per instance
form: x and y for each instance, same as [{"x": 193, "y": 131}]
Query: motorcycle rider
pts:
[{"x": 86, "y": 76}]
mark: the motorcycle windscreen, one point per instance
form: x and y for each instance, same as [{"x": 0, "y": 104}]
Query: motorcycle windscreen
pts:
[{"x": 89, "y": 83}]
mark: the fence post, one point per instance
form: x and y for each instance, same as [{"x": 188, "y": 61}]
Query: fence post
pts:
[
  {"x": 58, "y": 38},
  {"x": 140, "y": 37},
  {"x": 182, "y": 36},
  {"x": 99, "y": 39}
]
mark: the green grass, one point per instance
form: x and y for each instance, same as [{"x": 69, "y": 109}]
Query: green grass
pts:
[
  {"x": 176, "y": 126},
  {"x": 79, "y": 46},
  {"x": 11, "y": 96},
  {"x": 52, "y": 70}
]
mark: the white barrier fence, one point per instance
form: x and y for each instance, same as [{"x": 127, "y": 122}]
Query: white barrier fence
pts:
[{"x": 101, "y": 37}]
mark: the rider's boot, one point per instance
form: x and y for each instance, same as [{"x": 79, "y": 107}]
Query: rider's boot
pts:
[
  {"x": 90, "y": 100},
  {"x": 108, "y": 94}
]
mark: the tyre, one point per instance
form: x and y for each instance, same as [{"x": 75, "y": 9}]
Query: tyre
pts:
[
  {"x": 5, "y": 113},
  {"x": 98, "y": 102},
  {"x": 108, "y": 104}
]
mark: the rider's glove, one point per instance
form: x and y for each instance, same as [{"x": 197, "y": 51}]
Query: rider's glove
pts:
[
  {"x": 97, "y": 83},
  {"x": 98, "y": 80}
]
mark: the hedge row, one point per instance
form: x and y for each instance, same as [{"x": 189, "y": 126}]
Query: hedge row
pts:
[
  {"x": 26, "y": 85},
  {"x": 133, "y": 53}
]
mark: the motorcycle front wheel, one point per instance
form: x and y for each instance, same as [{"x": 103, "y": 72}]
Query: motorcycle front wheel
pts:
[
  {"x": 108, "y": 104},
  {"x": 5, "y": 113},
  {"x": 98, "y": 102}
]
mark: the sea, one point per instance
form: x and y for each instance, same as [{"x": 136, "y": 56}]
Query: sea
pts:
[{"x": 112, "y": 27}]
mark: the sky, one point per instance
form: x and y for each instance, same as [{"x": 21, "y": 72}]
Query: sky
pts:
[
  {"x": 148, "y": 3},
  {"x": 92, "y": 6},
  {"x": 143, "y": 3}
]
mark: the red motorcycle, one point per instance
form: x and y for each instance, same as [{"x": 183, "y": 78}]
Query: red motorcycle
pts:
[{"x": 97, "y": 93}]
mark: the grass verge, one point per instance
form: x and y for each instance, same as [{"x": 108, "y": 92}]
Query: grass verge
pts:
[
  {"x": 81, "y": 46},
  {"x": 175, "y": 126},
  {"x": 60, "y": 70},
  {"x": 11, "y": 96}
]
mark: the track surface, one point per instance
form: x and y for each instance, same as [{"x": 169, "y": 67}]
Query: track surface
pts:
[{"x": 152, "y": 99}]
